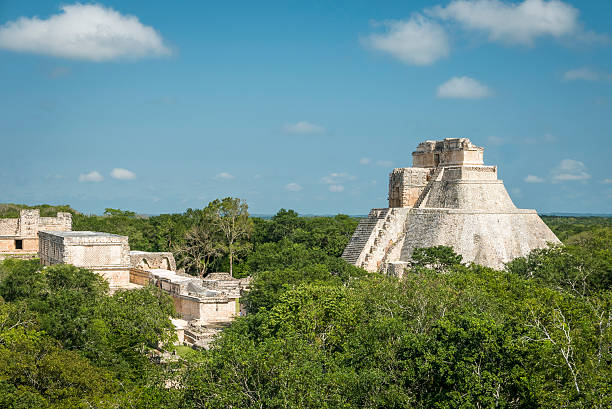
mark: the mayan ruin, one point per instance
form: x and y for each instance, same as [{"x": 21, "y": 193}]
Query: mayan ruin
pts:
[
  {"x": 205, "y": 305},
  {"x": 447, "y": 198},
  {"x": 19, "y": 236}
]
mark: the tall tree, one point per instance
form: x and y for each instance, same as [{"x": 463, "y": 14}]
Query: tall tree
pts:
[
  {"x": 199, "y": 248},
  {"x": 231, "y": 218}
]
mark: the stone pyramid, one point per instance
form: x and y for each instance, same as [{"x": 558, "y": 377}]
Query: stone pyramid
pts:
[{"x": 450, "y": 198}]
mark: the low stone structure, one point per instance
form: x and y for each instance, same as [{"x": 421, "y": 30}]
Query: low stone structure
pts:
[
  {"x": 450, "y": 198},
  {"x": 19, "y": 236},
  {"x": 206, "y": 305},
  {"x": 201, "y": 301},
  {"x": 149, "y": 259},
  {"x": 104, "y": 253}
]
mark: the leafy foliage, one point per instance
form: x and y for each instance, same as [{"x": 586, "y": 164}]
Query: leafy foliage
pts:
[{"x": 320, "y": 332}]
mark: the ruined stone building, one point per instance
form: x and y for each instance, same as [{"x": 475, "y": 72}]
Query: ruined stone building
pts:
[
  {"x": 450, "y": 198},
  {"x": 19, "y": 237},
  {"x": 205, "y": 305},
  {"x": 104, "y": 253}
]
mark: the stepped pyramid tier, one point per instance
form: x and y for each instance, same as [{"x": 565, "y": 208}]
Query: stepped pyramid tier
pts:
[{"x": 449, "y": 198}]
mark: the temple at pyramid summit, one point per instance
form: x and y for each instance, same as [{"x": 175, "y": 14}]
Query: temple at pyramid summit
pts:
[{"x": 450, "y": 198}]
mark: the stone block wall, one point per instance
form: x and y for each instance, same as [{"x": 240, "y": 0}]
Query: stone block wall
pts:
[
  {"x": 447, "y": 152},
  {"x": 30, "y": 223},
  {"x": 406, "y": 185},
  {"x": 20, "y": 235},
  {"x": 98, "y": 251},
  {"x": 50, "y": 248},
  {"x": 105, "y": 254},
  {"x": 145, "y": 260}
]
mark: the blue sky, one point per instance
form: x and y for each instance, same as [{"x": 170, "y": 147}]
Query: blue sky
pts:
[{"x": 156, "y": 107}]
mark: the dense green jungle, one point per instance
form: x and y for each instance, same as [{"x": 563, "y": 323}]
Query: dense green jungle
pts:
[{"x": 319, "y": 333}]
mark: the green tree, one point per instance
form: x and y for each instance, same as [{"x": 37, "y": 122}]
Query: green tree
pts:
[
  {"x": 438, "y": 258},
  {"x": 231, "y": 218},
  {"x": 199, "y": 248}
]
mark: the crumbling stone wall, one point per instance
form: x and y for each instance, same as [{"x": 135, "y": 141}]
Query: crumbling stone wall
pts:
[
  {"x": 20, "y": 235},
  {"x": 406, "y": 186},
  {"x": 145, "y": 260}
]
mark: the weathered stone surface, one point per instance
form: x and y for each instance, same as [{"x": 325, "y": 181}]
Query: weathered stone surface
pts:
[
  {"x": 148, "y": 259},
  {"x": 19, "y": 237},
  {"x": 460, "y": 204},
  {"x": 106, "y": 254}
]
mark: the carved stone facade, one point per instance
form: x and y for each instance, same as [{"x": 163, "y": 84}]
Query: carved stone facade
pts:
[
  {"x": 406, "y": 186},
  {"x": 104, "y": 253},
  {"x": 205, "y": 304},
  {"x": 449, "y": 197},
  {"x": 19, "y": 237},
  {"x": 147, "y": 260}
]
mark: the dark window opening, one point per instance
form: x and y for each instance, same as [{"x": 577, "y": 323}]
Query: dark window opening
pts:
[
  {"x": 436, "y": 159},
  {"x": 18, "y": 244}
]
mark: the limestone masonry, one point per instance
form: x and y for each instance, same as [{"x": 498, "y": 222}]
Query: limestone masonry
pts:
[
  {"x": 19, "y": 237},
  {"x": 449, "y": 198},
  {"x": 105, "y": 253},
  {"x": 206, "y": 305}
]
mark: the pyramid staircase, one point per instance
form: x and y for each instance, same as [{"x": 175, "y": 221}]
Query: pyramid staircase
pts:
[
  {"x": 435, "y": 176},
  {"x": 383, "y": 240}
]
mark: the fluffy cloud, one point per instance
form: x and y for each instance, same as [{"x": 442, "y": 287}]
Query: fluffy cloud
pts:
[
  {"x": 533, "y": 179},
  {"x": 570, "y": 169},
  {"x": 122, "y": 174},
  {"x": 336, "y": 188},
  {"x": 365, "y": 161},
  {"x": 84, "y": 32},
  {"x": 586, "y": 74},
  {"x": 304, "y": 128},
  {"x": 93, "y": 176},
  {"x": 417, "y": 41},
  {"x": 512, "y": 23},
  {"x": 463, "y": 87},
  {"x": 224, "y": 176},
  {"x": 293, "y": 187}
]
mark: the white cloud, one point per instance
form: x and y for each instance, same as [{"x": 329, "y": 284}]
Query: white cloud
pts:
[
  {"x": 293, "y": 187},
  {"x": 513, "y": 23},
  {"x": 83, "y": 32},
  {"x": 586, "y": 74},
  {"x": 122, "y": 174},
  {"x": 225, "y": 176},
  {"x": 463, "y": 87},
  {"x": 304, "y": 128},
  {"x": 570, "y": 169},
  {"x": 533, "y": 179},
  {"x": 384, "y": 163},
  {"x": 337, "y": 177},
  {"x": 606, "y": 181},
  {"x": 93, "y": 176},
  {"x": 417, "y": 41},
  {"x": 336, "y": 188},
  {"x": 365, "y": 161},
  {"x": 550, "y": 138}
]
